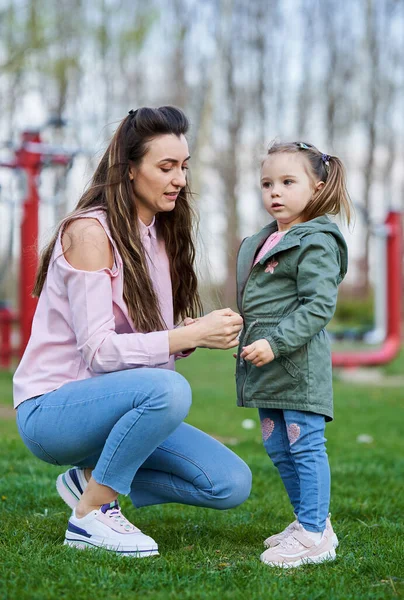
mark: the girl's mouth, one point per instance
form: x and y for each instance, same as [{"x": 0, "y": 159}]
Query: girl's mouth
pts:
[{"x": 277, "y": 205}]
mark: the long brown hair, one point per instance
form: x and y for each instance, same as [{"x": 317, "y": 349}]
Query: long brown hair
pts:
[
  {"x": 111, "y": 190},
  {"x": 333, "y": 197}
]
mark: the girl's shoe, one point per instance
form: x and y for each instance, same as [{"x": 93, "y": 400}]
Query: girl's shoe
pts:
[
  {"x": 276, "y": 539},
  {"x": 107, "y": 528},
  {"x": 71, "y": 485},
  {"x": 298, "y": 549}
]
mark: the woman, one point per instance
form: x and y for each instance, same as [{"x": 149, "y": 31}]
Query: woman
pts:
[{"x": 96, "y": 387}]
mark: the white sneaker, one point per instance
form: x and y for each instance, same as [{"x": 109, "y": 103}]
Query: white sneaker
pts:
[
  {"x": 107, "y": 528},
  {"x": 277, "y": 538},
  {"x": 71, "y": 485}
]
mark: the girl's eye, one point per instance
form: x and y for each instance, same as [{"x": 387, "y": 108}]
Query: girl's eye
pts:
[
  {"x": 288, "y": 181},
  {"x": 266, "y": 185}
]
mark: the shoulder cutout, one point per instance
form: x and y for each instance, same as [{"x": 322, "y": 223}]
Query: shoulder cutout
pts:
[{"x": 86, "y": 245}]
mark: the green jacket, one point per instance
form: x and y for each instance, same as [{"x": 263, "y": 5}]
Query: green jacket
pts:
[{"x": 289, "y": 305}]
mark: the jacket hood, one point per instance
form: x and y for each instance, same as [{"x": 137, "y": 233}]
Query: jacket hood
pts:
[{"x": 321, "y": 224}]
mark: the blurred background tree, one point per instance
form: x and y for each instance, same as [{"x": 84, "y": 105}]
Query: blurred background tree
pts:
[{"x": 245, "y": 73}]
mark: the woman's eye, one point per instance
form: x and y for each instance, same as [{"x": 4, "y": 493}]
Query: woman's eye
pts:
[
  {"x": 165, "y": 170},
  {"x": 184, "y": 168}
]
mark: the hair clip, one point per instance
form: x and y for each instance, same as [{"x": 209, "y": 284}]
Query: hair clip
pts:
[
  {"x": 302, "y": 146},
  {"x": 131, "y": 112}
]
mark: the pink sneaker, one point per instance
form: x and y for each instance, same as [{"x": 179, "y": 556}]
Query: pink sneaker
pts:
[
  {"x": 276, "y": 539},
  {"x": 298, "y": 549}
]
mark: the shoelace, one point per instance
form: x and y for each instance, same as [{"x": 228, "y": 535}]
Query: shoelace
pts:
[{"x": 113, "y": 511}]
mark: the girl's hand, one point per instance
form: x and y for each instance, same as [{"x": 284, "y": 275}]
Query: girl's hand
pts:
[{"x": 259, "y": 353}]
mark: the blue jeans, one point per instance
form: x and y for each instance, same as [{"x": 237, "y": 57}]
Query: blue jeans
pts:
[
  {"x": 128, "y": 427},
  {"x": 295, "y": 442}
]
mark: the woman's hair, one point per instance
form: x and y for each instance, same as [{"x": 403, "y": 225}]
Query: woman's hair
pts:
[
  {"x": 111, "y": 190},
  {"x": 333, "y": 197}
]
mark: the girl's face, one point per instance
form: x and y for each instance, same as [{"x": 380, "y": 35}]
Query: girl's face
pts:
[
  {"x": 287, "y": 188},
  {"x": 160, "y": 176}
]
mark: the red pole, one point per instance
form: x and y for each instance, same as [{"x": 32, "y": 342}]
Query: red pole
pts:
[
  {"x": 6, "y": 317},
  {"x": 31, "y": 163},
  {"x": 392, "y": 343}
]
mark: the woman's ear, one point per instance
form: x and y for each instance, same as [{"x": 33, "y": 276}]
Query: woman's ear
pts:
[{"x": 131, "y": 174}]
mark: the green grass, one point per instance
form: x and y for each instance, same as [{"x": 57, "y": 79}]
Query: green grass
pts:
[{"x": 209, "y": 554}]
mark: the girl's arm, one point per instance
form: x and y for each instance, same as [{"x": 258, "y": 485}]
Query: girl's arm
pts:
[{"x": 318, "y": 277}]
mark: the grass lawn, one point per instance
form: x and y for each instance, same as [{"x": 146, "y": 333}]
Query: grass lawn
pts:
[{"x": 209, "y": 554}]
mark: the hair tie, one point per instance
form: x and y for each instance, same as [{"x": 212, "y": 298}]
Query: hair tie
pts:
[
  {"x": 326, "y": 160},
  {"x": 132, "y": 112}
]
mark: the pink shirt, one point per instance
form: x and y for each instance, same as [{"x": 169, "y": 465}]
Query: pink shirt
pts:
[
  {"x": 82, "y": 327},
  {"x": 269, "y": 243}
]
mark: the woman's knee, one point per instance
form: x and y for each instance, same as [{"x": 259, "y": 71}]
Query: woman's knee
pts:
[
  {"x": 236, "y": 487},
  {"x": 172, "y": 394}
]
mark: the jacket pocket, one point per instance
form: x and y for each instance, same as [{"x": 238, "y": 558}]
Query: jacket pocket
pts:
[{"x": 278, "y": 379}]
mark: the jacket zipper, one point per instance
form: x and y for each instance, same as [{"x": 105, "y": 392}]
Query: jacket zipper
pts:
[{"x": 242, "y": 360}]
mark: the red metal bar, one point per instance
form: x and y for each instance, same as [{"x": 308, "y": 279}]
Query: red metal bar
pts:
[
  {"x": 392, "y": 343},
  {"x": 30, "y": 157},
  {"x": 31, "y": 162},
  {"x": 6, "y": 318}
]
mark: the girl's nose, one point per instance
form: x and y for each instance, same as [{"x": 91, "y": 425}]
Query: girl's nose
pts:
[{"x": 275, "y": 193}]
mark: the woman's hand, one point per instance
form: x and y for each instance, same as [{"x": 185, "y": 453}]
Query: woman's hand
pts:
[
  {"x": 218, "y": 329},
  {"x": 259, "y": 353}
]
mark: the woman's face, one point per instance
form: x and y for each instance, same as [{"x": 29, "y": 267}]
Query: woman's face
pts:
[{"x": 160, "y": 176}]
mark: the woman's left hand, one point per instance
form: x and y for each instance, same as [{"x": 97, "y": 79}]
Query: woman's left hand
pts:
[{"x": 259, "y": 353}]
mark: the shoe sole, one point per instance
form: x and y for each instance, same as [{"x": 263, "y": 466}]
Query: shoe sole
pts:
[
  {"x": 66, "y": 492},
  {"x": 324, "y": 557},
  {"x": 135, "y": 553},
  {"x": 335, "y": 543}
]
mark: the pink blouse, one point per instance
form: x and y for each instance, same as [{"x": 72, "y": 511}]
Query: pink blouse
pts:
[
  {"x": 82, "y": 327},
  {"x": 269, "y": 243}
]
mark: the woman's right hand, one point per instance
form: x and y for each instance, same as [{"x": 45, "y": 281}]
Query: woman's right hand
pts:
[{"x": 219, "y": 329}]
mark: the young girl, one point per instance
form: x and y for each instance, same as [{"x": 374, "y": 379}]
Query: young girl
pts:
[{"x": 288, "y": 275}]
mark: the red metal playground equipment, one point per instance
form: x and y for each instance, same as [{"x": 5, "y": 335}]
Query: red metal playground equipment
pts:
[
  {"x": 29, "y": 159},
  {"x": 33, "y": 155}
]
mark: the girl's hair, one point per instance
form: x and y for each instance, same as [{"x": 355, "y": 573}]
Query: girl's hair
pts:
[
  {"x": 333, "y": 197},
  {"x": 110, "y": 190}
]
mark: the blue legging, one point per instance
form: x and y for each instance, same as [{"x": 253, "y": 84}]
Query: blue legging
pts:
[
  {"x": 128, "y": 426},
  {"x": 295, "y": 442}
]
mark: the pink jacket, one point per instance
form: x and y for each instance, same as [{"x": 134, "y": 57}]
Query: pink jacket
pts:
[{"x": 82, "y": 328}]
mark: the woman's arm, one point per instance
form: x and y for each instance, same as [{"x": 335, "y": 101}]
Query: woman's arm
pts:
[{"x": 88, "y": 283}]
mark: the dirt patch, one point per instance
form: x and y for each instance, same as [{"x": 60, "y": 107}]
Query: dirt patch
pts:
[{"x": 7, "y": 413}]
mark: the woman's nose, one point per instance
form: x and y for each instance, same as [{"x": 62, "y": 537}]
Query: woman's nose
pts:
[{"x": 179, "y": 179}]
